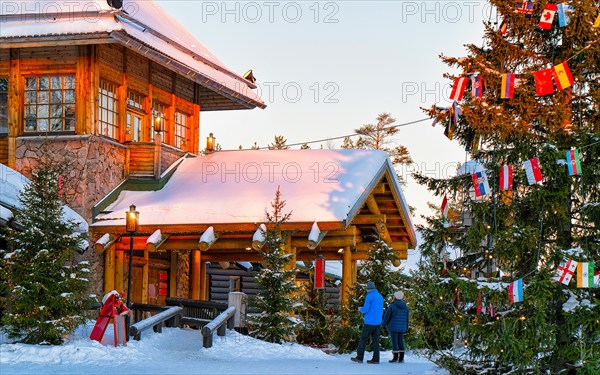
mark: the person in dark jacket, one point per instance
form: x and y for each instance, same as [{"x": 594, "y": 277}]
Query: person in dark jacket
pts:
[
  {"x": 396, "y": 322},
  {"x": 372, "y": 311}
]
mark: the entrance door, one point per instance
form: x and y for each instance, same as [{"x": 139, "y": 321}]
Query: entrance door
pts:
[{"x": 134, "y": 127}]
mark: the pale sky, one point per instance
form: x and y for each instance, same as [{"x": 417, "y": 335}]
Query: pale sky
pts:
[{"x": 327, "y": 68}]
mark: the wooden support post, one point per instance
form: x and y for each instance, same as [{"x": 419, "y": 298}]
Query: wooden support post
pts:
[
  {"x": 346, "y": 275},
  {"x": 15, "y": 106},
  {"x": 145, "y": 276},
  {"x": 204, "y": 291},
  {"x": 196, "y": 277},
  {"x": 109, "y": 270},
  {"x": 173, "y": 274},
  {"x": 119, "y": 271}
]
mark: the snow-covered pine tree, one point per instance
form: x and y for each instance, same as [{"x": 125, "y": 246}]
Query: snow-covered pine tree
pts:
[
  {"x": 276, "y": 301},
  {"x": 46, "y": 287},
  {"x": 526, "y": 231}
]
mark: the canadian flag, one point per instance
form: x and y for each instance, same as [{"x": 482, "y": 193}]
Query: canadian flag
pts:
[{"x": 547, "y": 16}]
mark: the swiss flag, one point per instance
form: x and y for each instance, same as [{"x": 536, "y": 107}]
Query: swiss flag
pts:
[{"x": 547, "y": 16}]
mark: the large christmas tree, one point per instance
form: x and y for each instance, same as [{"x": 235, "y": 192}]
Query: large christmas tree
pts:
[
  {"x": 45, "y": 286},
  {"x": 492, "y": 289}
]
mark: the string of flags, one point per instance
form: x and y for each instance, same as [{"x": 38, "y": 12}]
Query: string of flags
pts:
[{"x": 533, "y": 173}]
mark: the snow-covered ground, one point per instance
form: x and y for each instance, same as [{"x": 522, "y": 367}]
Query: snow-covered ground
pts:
[{"x": 179, "y": 351}]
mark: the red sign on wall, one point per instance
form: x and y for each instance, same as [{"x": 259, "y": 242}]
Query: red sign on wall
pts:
[
  {"x": 163, "y": 285},
  {"x": 320, "y": 272}
]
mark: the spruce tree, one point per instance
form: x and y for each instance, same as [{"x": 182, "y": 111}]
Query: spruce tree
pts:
[
  {"x": 526, "y": 231},
  {"x": 45, "y": 286},
  {"x": 276, "y": 299}
]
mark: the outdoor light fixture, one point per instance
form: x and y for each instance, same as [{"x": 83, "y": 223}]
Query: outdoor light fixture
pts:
[
  {"x": 210, "y": 143},
  {"x": 158, "y": 120},
  {"x": 132, "y": 223}
]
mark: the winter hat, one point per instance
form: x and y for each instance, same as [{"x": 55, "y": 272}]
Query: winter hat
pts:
[
  {"x": 399, "y": 295},
  {"x": 370, "y": 285}
]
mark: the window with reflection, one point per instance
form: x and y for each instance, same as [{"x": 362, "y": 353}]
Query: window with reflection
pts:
[
  {"x": 181, "y": 129},
  {"x": 108, "y": 105},
  {"x": 3, "y": 106},
  {"x": 50, "y": 104},
  {"x": 135, "y": 116}
]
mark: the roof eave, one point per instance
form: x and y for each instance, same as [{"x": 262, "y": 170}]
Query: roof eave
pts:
[
  {"x": 101, "y": 37},
  {"x": 186, "y": 71}
]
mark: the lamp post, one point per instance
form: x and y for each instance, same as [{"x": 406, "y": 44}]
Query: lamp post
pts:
[{"x": 131, "y": 226}]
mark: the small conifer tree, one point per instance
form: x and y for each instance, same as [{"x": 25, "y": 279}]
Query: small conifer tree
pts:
[
  {"x": 276, "y": 280},
  {"x": 45, "y": 287}
]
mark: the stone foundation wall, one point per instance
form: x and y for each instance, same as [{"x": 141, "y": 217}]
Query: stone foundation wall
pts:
[
  {"x": 168, "y": 156},
  {"x": 93, "y": 167}
]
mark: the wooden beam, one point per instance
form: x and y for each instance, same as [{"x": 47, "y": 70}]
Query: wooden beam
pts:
[
  {"x": 383, "y": 232},
  {"x": 258, "y": 238},
  {"x": 329, "y": 241},
  {"x": 155, "y": 240},
  {"x": 220, "y": 228},
  {"x": 109, "y": 270},
  {"x": 379, "y": 189},
  {"x": 312, "y": 244},
  {"x": 369, "y": 219},
  {"x": 208, "y": 238},
  {"x": 15, "y": 105},
  {"x": 346, "y": 275},
  {"x": 119, "y": 271},
  {"x": 397, "y": 246},
  {"x": 145, "y": 276},
  {"x": 196, "y": 274},
  {"x": 104, "y": 242},
  {"x": 173, "y": 274},
  {"x": 372, "y": 205}
]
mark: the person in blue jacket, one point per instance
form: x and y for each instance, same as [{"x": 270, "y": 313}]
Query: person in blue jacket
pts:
[
  {"x": 372, "y": 311},
  {"x": 396, "y": 323}
]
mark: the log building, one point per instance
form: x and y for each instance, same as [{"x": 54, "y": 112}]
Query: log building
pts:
[{"x": 115, "y": 96}]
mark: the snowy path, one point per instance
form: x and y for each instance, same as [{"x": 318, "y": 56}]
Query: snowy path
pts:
[{"x": 177, "y": 351}]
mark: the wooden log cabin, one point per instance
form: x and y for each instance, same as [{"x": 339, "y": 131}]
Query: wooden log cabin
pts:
[
  {"x": 113, "y": 95},
  {"x": 209, "y": 209}
]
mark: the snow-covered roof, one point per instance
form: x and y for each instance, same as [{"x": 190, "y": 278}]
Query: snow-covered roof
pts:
[
  {"x": 238, "y": 187},
  {"x": 140, "y": 20},
  {"x": 11, "y": 184}
]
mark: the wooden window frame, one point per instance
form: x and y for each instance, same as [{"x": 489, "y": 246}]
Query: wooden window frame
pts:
[
  {"x": 67, "y": 118},
  {"x": 135, "y": 107},
  {"x": 181, "y": 130},
  {"x": 4, "y": 109},
  {"x": 105, "y": 126}
]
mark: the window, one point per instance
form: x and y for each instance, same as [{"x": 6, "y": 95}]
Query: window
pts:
[
  {"x": 3, "y": 105},
  {"x": 159, "y": 121},
  {"x": 108, "y": 110},
  {"x": 135, "y": 116},
  {"x": 181, "y": 129},
  {"x": 50, "y": 104}
]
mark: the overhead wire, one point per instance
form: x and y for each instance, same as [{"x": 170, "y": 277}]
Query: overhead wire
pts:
[{"x": 342, "y": 136}]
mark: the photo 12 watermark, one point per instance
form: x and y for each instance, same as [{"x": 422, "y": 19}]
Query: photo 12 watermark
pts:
[{"x": 269, "y": 11}]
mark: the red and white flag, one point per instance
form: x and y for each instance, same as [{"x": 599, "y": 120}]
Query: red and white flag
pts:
[
  {"x": 506, "y": 177},
  {"x": 565, "y": 271},
  {"x": 533, "y": 171},
  {"x": 547, "y": 16},
  {"x": 458, "y": 90},
  {"x": 445, "y": 207}
]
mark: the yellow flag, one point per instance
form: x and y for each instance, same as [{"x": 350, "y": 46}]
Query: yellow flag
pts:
[{"x": 597, "y": 22}]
